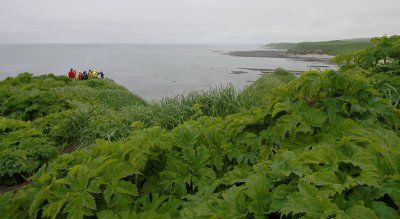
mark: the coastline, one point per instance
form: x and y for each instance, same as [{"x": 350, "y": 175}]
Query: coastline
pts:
[
  {"x": 273, "y": 53},
  {"x": 264, "y": 71}
]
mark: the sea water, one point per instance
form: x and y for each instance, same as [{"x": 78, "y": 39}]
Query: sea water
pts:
[{"x": 152, "y": 71}]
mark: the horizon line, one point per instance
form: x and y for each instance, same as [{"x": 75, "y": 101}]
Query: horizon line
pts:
[{"x": 179, "y": 43}]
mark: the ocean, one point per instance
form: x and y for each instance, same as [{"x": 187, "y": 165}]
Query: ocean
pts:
[{"x": 152, "y": 71}]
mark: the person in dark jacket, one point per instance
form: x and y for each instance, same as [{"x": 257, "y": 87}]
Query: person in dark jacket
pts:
[
  {"x": 101, "y": 74},
  {"x": 84, "y": 76}
]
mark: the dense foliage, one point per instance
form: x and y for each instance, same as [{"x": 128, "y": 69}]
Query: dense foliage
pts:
[
  {"x": 37, "y": 113},
  {"x": 24, "y": 98},
  {"x": 325, "y": 145},
  {"x": 23, "y": 149},
  {"x": 382, "y": 62},
  {"x": 65, "y": 114}
]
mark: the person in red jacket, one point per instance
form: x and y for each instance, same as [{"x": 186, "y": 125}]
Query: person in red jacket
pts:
[{"x": 71, "y": 73}]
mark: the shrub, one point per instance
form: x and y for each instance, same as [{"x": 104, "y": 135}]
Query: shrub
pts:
[{"x": 23, "y": 149}]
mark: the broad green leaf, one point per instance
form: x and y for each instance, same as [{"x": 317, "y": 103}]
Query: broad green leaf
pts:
[
  {"x": 308, "y": 201},
  {"x": 279, "y": 197},
  {"x": 391, "y": 188},
  {"x": 5, "y": 199},
  {"x": 54, "y": 208},
  {"x": 107, "y": 214},
  {"x": 285, "y": 163},
  {"x": 235, "y": 198},
  {"x": 311, "y": 84},
  {"x": 326, "y": 179},
  {"x": 357, "y": 211},
  {"x": 186, "y": 136},
  {"x": 79, "y": 205},
  {"x": 176, "y": 176},
  {"x": 40, "y": 197},
  {"x": 258, "y": 189},
  {"x": 382, "y": 210}
]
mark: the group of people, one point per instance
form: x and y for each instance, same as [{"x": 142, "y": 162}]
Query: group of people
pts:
[{"x": 84, "y": 75}]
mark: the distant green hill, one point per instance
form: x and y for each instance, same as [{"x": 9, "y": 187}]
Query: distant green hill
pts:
[{"x": 332, "y": 47}]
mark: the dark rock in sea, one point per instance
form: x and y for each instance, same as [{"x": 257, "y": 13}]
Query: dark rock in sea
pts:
[
  {"x": 269, "y": 71},
  {"x": 238, "y": 72},
  {"x": 260, "y": 53}
]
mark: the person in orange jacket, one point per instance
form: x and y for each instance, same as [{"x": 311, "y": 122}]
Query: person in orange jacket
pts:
[{"x": 79, "y": 76}]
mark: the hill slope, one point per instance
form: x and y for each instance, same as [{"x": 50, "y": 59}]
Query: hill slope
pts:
[{"x": 333, "y": 47}]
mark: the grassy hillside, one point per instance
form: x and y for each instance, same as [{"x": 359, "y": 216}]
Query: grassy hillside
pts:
[
  {"x": 44, "y": 116},
  {"x": 37, "y": 114},
  {"x": 265, "y": 84},
  {"x": 28, "y": 97},
  {"x": 327, "y": 47}
]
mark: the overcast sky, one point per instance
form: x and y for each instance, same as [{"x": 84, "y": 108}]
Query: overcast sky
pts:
[{"x": 194, "y": 21}]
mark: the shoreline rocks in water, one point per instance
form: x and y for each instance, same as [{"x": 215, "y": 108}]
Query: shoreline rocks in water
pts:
[
  {"x": 295, "y": 72},
  {"x": 269, "y": 71},
  {"x": 282, "y": 54},
  {"x": 238, "y": 72}
]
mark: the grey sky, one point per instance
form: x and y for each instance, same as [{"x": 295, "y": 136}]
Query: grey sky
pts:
[{"x": 194, "y": 21}]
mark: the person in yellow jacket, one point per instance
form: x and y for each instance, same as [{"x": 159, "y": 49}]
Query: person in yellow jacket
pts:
[
  {"x": 94, "y": 73},
  {"x": 90, "y": 74}
]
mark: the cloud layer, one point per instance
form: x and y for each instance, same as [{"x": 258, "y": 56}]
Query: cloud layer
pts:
[{"x": 194, "y": 21}]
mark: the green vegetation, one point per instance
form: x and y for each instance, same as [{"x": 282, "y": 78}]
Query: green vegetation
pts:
[
  {"x": 382, "y": 62},
  {"x": 265, "y": 84},
  {"x": 27, "y": 98},
  {"x": 333, "y": 47},
  {"x": 23, "y": 150},
  {"x": 324, "y": 145},
  {"x": 36, "y": 119},
  {"x": 170, "y": 112},
  {"x": 216, "y": 102},
  {"x": 44, "y": 116}
]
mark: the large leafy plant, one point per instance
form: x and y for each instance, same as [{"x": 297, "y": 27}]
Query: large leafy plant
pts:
[
  {"x": 327, "y": 146},
  {"x": 23, "y": 149}
]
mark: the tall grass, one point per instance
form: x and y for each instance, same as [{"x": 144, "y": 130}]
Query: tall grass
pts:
[
  {"x": 109, "y": 113},
  {"x": 70, "y": 112},
  {"x": 169, "y": 112},
  {"x": 258, "y": 91},
  {"x": 99, "y": 92},
  {"x": 222, "y": 101},
  {"x": 102, "y": 97},
  {"x": 80, "y": 127}
]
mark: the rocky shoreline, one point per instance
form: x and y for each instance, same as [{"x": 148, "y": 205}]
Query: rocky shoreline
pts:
[
  {"x": 283, "y": 54},
  {"x": 269, "y": 71}
]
